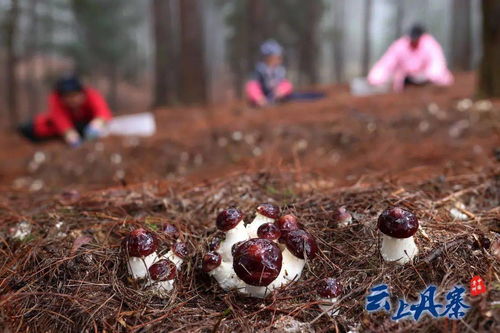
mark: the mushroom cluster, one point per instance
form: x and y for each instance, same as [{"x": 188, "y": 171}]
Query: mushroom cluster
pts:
[
  {"x": 143, "y": 262},
  {"x": 259, "y": 257}
]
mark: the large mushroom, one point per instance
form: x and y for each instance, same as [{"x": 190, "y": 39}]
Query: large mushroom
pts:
[
  {"x": 258, "y": 263},
  {"x": 266, "y": 213},
  {"x": 329, "y": 290},
  {"x": 398, "y": 226},
  {"x": 141, "y": 245}
]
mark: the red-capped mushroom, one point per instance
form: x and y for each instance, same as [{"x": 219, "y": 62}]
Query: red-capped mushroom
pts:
[
  {"x": 329, "y": 290},
  {"x": 398, "y": 226},
  {"x": 162, "y": 274},
  {"x": 266, "y": 213},
  {"x": 342, "y": 217},
  {"x": 141, "y": 245},
  {"x": 258, "y": 263},
  {"x": 231, "y": 222}
]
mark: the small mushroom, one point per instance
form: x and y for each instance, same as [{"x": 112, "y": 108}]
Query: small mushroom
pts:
[
  {"x": 141, "y": 245},
  {"x": 269, "y": 231},
  {"x": 178, "y": 252},
  {"x": 170, "y": 231},
  {"x": 231, "y": 222},
  {"x": 162, "y": 275},
  {"x": 342, "y": 217},
  {"x": 258, "y": 263},
  {"x": 329, "y": 290},
  {"x": 266, "y": 213},
  {"x": 398, "y": 226},
  {"x": 300, "y": 246},
  {"x": 221, "y": 271},
  {"x": 286, "y": 223}
]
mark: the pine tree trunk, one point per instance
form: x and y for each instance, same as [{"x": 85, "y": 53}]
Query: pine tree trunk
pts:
[
  {"x": 365, "y": 62},
  {"x": 257, "y": 30},
  {"x": 160, "y": 9},
  {"x": 308, "y": 46},
  {"x": 32, "y": 48},
  {"x": 461, "y": 34},
  {"x": 11, "y": 30},
  {"x": 489, "y": 73},
  {"x": 338, "y": 40},
  {"x": 192, "y": 75},
  {"x": 399, "y": 18}
]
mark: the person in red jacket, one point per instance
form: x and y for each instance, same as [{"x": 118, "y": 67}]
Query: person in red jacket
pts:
[{"x": 75, "y": 112}]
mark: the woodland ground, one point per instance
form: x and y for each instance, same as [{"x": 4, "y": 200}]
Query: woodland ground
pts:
[{"x": 425, "y": 149}]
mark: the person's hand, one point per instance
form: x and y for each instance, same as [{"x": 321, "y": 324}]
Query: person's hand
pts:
[
  {"x": 72, "y": 138},
  {"x": 262, "y": 103},
  {"x": 94, "y": 129}
]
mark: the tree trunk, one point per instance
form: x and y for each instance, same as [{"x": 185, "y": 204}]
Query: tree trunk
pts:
[
  {"x": 461, "y": 34},
  {"x": 338, "y": 40},
  {"x": 257, "y": 30},
  {"x": 399, "y": 18},
  {"x": 32, "y": 48},
  {"x": 11, "y": 29},
  {"x": 308, "y": 46},
  {"x": 365, "y": 62},
  {"x": 489, "y": 73},
  {"x": 192, "y": 75},
  {"x": 160, "y": 10}
]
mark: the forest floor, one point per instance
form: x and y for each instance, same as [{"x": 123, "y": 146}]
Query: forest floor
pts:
[{"x": 427, "y": 149}]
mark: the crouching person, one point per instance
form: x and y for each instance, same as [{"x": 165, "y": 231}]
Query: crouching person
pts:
[
  {"x": 414, "y": 59},
  {"x": 75, "y": 113},
  {"x": 268, "y": 84}
]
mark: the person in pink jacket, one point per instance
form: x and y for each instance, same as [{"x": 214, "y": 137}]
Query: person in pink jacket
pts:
[
  {"x": 416, "y": 58},
  {"x": 268, "y": 83}
]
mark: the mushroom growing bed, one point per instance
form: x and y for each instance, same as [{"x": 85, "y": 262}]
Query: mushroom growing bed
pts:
[{"x": 81, "y": 281}]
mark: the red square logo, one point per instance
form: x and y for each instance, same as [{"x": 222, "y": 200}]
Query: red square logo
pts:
[{"x": 477, "y": 286}]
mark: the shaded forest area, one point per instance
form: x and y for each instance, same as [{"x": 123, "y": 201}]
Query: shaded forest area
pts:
[{"x": 168, "y": 52}]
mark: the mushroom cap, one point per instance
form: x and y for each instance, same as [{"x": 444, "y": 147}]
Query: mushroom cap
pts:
[
  {"x": 228, "y": 219},
  {"x": 257, "y": 261},
  {"x": 163, "y": 270},
  {"x": 170, "y": 231},
  {"x": 180, "y": 249},
  {"x": 141, "y": 243},
  {"x": 211, "y": 261},
  {"x": 341, "y": 214},
  {"x": 329, "y": 288},
  {"x": 397, "y": 222},
  {"x": 286, "y": 223},
  {"x": 302, "y": 244},
  {"x": 269, "y": 210},
  {"x": 214, "y": 243},
  {"x": 269, "y": 231}
]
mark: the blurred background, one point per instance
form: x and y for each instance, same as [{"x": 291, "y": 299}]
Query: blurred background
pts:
[{"x": 145, "y": 54}]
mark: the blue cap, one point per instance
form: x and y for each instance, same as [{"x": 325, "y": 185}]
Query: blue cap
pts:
[
  {"x": 68, "y": 84},
  {"x": 270, "y": 47}
]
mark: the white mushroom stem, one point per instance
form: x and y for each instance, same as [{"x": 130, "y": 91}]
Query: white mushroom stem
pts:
[
  {"x": 329, "y": 305},
  {"x": 233, "y": 236},
  {"x": 258, "y": 292},
  {"x": 227, "y": 278},
  {"x": 138, "y": 266},
  {"x": 256, "y": 223},
  {"x": 162, "y": 288},
  {"x": 170, "y": 255},
  {"x": 292, "y": 266},
  {"x": 399, "y": 250}
]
